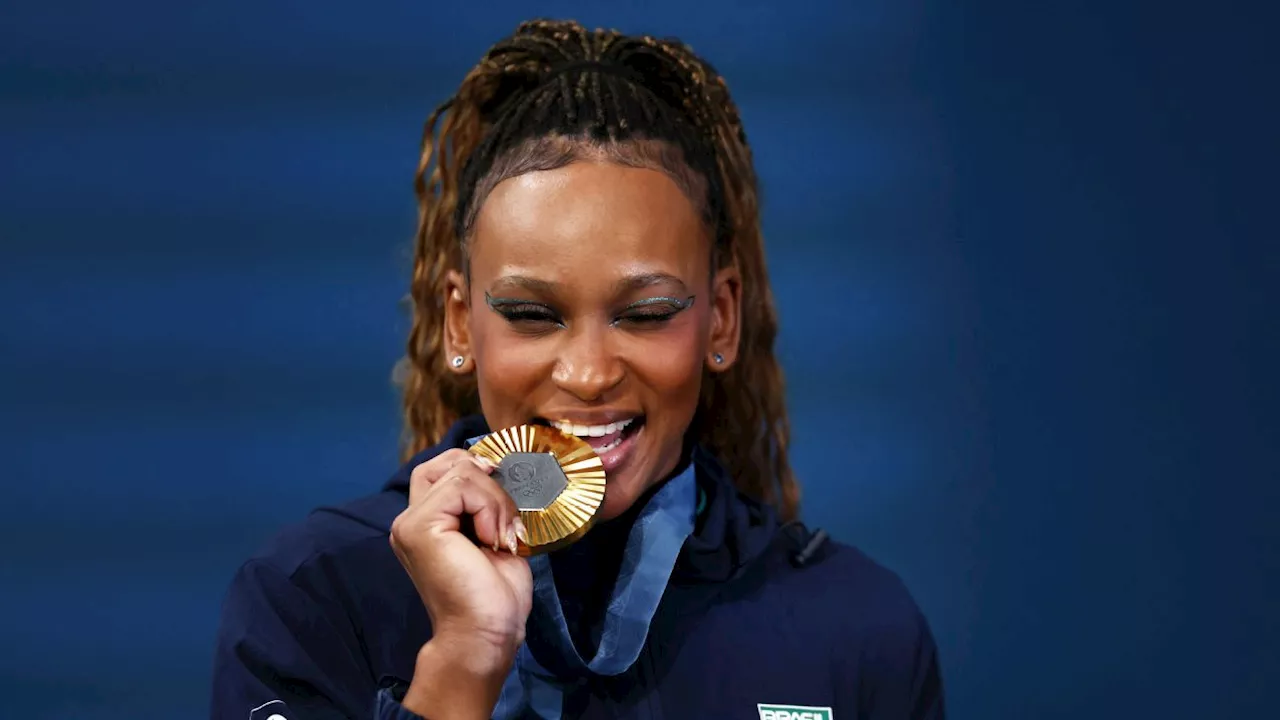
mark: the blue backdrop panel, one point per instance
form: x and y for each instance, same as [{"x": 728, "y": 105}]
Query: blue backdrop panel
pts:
[{"x": 1023, "y": 258}]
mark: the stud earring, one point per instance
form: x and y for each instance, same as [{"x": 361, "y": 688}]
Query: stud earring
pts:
[
  {"x": 458, "y": 360},
  {"x": 718, "y": 358}
]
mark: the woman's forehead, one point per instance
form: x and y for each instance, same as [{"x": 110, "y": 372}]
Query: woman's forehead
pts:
[{"x": 588, "y": 218}]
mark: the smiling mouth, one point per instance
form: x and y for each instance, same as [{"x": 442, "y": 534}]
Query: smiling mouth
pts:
[{"x": 601, "y": 438}]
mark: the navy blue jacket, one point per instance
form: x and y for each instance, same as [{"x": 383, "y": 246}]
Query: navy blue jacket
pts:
[{"x": 324, "y": 623}]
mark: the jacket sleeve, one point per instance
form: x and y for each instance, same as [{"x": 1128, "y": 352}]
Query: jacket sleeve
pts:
[
  {"x": 902, "y": 677},
  {"x": 283, "y": 653}
]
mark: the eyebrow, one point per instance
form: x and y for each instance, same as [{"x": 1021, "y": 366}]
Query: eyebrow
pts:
[
  {"x": 645, "y": 280},
  {"x": 524, "y": 282},
  {"x": 624, "y": 285}
]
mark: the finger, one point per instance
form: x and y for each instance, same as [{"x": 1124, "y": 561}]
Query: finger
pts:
[
  {"x": 473, "y": 493},
  {"x": 509, "y": 526},
  {"x": 430, "y": 472},
  {"x": 495, "y": 523},
  {"x": 427, "y": 473}
]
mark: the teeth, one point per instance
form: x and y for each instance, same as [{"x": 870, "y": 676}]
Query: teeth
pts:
[{"x": 590, "y": 430}]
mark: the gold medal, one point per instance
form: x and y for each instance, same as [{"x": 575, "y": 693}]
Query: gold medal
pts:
[{"x": 556, "y": 480}]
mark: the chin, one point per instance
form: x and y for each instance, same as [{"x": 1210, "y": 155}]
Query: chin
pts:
[
  {"x": 625, "y": 491},
  {"x": 617, "y": 503},
  {"x": 613, "y": 508}
]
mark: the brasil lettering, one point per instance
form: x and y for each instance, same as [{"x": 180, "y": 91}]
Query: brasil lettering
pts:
[{"x": 793, "y": 712}]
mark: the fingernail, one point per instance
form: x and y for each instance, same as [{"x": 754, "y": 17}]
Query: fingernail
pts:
[
  {"x": 518, "y": 524},
  {"x": 485, "y": 463},
  {"x": 511, "y": 539}
]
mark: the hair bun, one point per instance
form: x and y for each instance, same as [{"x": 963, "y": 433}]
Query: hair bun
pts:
[
  {"x": 541, "y": 51},
  {"x": 669, "y": 70}
]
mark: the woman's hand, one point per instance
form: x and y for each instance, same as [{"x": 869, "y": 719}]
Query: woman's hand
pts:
[{"x": 478, "y": 596}]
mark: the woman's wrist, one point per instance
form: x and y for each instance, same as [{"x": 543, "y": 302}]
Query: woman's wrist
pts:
[{"x": 458, "y": 677}]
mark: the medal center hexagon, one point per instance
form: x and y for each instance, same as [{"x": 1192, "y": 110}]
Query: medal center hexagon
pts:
[{"x": 533, "y": 480}]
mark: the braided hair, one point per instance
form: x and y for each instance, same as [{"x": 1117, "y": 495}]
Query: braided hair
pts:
[{"x": 555, "y": 92}]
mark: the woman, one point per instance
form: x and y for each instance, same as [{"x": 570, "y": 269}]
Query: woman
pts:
[{"x": 588, "y": 256}]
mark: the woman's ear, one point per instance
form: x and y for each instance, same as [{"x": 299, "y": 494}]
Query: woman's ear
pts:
[
  {"x": 726, "y": 319},
  {"x": 457, "y": 326}
]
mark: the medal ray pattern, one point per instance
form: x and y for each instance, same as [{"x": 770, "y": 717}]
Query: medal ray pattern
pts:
[{"x": 556, "y": 480}]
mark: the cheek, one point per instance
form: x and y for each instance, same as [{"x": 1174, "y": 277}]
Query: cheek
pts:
[
  {"x": 670, "y": 367},
  {"x": 509, "y": 369}
]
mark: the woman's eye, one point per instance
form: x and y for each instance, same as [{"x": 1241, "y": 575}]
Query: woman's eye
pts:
[
  {"x": 529, "y": 315},
  {"x": 653, "y": 312},
  {"x": 652, "y": 315}
]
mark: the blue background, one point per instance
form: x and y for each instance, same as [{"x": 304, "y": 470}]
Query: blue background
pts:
[{"x": 1025, "y": 259}]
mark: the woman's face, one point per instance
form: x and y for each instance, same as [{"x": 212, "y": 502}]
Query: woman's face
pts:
[{"x": 592, "y": 306}]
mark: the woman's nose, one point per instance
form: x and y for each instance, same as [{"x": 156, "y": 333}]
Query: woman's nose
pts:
[{"x": 588, "y": 367}]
